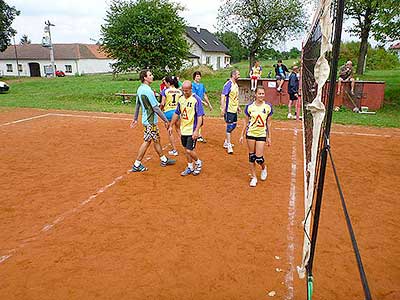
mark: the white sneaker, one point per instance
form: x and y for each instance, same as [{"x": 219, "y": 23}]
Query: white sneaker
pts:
[
  {"x": 264, "y": 174},
  {"x": 226, "y": 145},
  {"x": 253, "y": 181},
  {"x": 289, "y": 116},
  {"x": 230, "y": 149},
  {"x": 173, "y": 152}
]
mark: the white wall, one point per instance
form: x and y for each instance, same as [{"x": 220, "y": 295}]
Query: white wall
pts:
[
  {"x": 196, "y": 50},
  {"x": 92, "y": 66}
]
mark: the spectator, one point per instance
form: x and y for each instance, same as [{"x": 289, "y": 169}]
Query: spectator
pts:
[
  {"x": 346, "y": 75},
  {"x": 255, "y": 74},
  {"x": 293, "y": 90},
  {"x": 280, "y": 73}
]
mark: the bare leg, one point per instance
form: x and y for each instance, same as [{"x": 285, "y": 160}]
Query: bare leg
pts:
[
  {"x": 290, "y": 106},
  {"x": 158, "y": 148},
  {"x": 260, "y": 151},
  {"x": 188, "y": 156},
  {"x": 172, "y": 141},
  {"x": 142, "y": 150},
  {"x": 352, "y": 84},
  {"x": 192, "y": 155},
  {"x": 339, "y": 85},
  {"x": 251, "y": 145}
]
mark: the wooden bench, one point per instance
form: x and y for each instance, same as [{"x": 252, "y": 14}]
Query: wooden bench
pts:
[{"x": 126, "y": 97}]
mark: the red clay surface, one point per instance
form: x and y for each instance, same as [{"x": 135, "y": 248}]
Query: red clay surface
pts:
[{"x": 157, "y": 235}]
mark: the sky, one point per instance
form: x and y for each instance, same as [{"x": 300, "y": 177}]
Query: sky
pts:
[{"x": 79, "y": 21}]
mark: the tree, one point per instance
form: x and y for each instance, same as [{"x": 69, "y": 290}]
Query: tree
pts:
[
  {"x": 381, "y": 18},
  {"x": 7, "y": 16},
  {"x": 25, "y": 40},
  {"x": 231, "y": 40},
  {"x": 145, "y": 34},
  {"x": 262, "y": 23}
]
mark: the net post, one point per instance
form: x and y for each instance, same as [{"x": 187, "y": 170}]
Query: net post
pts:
[{"x": 324, "y": 153}]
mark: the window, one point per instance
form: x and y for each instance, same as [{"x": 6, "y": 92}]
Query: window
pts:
[
  {"x": 208, "y": 59},
  {"x": 216, "y": 43},
  {"x": 19, "y": 68},
  {"x": 68, "y": 69},
  {"x": 218, "y": 62},
  {"x": 205, "y": 43},
  {"x": 9, "y": 67}
]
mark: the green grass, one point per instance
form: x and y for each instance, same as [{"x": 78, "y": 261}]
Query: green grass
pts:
[{"x": 96, "y": 93}]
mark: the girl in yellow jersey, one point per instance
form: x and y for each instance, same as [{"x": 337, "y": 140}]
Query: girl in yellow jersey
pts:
[
  {"x": 169, "y": 102},
  {"x": 257, "y": 130},
  {"x": 255, "y": 74}
]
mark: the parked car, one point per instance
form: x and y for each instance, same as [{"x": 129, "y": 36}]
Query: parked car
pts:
[
  {"x": 3, "y": 87},
  {"x": 60, "y": 73}
]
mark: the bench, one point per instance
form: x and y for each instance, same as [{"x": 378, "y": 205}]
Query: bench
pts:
[{"x": 126, "y": 97}]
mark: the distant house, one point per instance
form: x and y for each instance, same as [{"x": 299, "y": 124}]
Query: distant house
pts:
[
  {"x": 206, "y": 49},
  {"x": 396, "y": 48},
  {"x": 70, "y": 58}
]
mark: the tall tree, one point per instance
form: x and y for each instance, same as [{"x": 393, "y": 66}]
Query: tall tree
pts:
[
  {"x": 7, "y": 16},
  {"x": 262, "y": 23},
  {"x": 381, "y": 18},
  {"x": 25, "y": 40},
  {"x": 232, "y": 41},
  {"x": 145, "y": 34}
]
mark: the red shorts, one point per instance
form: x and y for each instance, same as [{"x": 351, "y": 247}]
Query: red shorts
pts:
[{"x": 254, "y": 77}]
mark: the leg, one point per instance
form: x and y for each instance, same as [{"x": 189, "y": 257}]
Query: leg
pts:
[
  {"x": 251, "y": 83},
  {"x": 251, "y": 145},
  {"x": 352, "y": 84},
  {"x": 260, "y": 145},
  {"x": 157, "y": 146},
  {"x": 290, "y": 107},
  {"x": 339, "y": 85},
  {"x": 142, "y": 150}
]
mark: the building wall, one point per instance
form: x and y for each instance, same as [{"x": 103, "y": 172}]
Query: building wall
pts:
[
  {"x": 83, "y": 66},
  {"x": 213, "y": 56}
]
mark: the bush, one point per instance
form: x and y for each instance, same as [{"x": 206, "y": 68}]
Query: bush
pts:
[{"x": 188, "y": 73}]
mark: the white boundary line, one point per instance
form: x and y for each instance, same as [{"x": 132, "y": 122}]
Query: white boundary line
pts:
[
  {"x": 88, "y": 116},
  {"x": 60, "y": 218},
  {"x": 291, "y": 221},
  {"x": 24, "y": 120}
]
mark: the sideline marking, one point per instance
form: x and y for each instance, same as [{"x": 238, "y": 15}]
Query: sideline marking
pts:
[
  {"x": 24, "y": 120},
  {"x": 60, "y": 218},
  {"x": 88, "y": 116},
  {"x": 291, "y": 219}
]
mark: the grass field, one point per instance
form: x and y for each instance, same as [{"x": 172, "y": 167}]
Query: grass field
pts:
[{"x": 96, "y": 93}]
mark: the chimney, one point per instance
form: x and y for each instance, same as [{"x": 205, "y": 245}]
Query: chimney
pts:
[{"x": 198, "y": 28}]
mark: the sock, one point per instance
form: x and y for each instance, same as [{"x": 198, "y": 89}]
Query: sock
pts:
[
  {"x": 163, "y": 158},
  {"x": 228, "y": 137},
  {"x": 190, "y": 165},
  {"x": 198, "y": 162},
  {"x": 137, "y": 163}
]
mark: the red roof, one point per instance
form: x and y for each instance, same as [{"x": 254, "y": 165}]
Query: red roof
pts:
[
  {"x": 395, "y": 46},
  {"x": 61, "y": 51}
]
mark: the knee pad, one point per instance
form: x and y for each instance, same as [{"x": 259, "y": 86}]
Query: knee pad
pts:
[
  {"x": 260, "y": 160},
  {"x": 230, "y": 127},
  {"x": 252, "y": 157}
]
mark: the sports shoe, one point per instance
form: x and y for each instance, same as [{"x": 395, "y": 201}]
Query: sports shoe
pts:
[
  {"x": 173, "y": 152},
  {"x": 226, "y": 145},
  {"x": 197, "y": 168},
  {"x": 167, "y": 163},
  {"x": 141, "y": 168},
  {"x": 187, "y": 172},
  {"x": 253, "y": 181},
  {"x": 264, "y": 174},
  {"x": 230, "y": 149},
  {"x": 201, "y": 140},
  {"x": 289, "y": 116}
]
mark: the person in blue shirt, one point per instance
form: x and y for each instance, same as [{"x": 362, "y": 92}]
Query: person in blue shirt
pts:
[
  {"x": 200, "y": 90},
  {"x": 147, "y": 101},
  {"x": 280, "y": 73}
]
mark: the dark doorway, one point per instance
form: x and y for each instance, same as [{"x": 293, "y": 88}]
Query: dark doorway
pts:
[{"x": 34, "y": 68}]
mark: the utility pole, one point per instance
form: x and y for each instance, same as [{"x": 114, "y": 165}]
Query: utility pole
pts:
[
  {"x": 16, "y": 56},
  {"x": 49, "y": 44}
]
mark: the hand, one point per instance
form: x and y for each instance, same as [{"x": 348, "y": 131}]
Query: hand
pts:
[
  {"x": 195, "y": 135},
  {"x": 166, "y": 124},
  {"x": 210, "y": 107},
  {"x": 169, "y": 130},
  {"x": 222, "y": 111},
  {"x": 269, "y": 142},
  {"x": 239, "y": 110},
  {"x": 241, "y": 140},
  {"x": 134, "y": 123}
]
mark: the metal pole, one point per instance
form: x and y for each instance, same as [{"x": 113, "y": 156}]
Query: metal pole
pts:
[
  {"x": 51, "y": 48},
  {"x": 16, "y": 56}
]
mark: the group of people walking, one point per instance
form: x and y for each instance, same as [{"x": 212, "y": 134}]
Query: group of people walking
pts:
[{"x": 182, "y": 112}]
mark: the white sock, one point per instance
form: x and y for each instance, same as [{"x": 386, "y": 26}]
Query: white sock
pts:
[
  {"x": 137, "y": 163},
  {"x": 163, "y": 158},
  {"x": 190, "y": 165},
  {"x": 198, "y": 162}
]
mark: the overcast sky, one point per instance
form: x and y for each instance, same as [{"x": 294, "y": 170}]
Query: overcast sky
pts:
[{"x": 79, "y": 21}]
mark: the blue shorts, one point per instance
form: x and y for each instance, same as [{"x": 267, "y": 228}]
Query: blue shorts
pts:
[{"x": 169, "y": 114}]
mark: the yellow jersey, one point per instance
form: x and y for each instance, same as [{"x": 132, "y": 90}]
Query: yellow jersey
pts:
[
  {"x": 258, "y": 116},
  {"x": 256, "y": 71},
  {"x": 231, "y": 93},
  {"x": 172, "y": 96},
  {"x": 189, "y": 109}
]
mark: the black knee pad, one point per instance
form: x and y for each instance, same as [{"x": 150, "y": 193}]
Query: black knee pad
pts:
[
  {"x": 252, "y": 157},
  {"x": 260, "y": 160}
]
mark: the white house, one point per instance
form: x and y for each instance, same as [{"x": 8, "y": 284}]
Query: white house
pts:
[
  {"x": 206, "y": 49},
  {"x": 70, "y": 58},
  {"x": 396, "y": 48}
]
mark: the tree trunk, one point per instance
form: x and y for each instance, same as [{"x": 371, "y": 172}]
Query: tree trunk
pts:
[
  {"x": 365, "y": 29},
  {"x": 252, "y": 58}
]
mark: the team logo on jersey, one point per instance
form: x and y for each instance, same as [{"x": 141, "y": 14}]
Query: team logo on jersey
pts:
[
  {"x": 184, "y": 114},
  {"x": 259, "y": 122}
]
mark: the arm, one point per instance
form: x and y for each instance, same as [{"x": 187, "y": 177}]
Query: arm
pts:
[
  {"x": 158, "y": 111},
  {"x": 200, "y": 113},
  {"x": 269, "y": 123},
  {"x": 162, "y": 103},
  {"x": 223, "y": 103},
  {"x": 245, "y": 123},
  {"x": 136, "y": 115},
  {"x": 195, "y": 134},
  {"x": 208, "y": 103}
]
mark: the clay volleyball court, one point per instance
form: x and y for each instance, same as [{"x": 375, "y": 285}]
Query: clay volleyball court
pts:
[{"x": 76, "y": 225}]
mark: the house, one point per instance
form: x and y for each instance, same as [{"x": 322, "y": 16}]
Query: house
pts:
[
  {"x": 34, "y": 59},
  {"x": 206, "y": 49},
  {"x": 396, "y": 48}
]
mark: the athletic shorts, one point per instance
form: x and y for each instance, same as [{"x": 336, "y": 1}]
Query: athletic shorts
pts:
[
  {"x": 292, "y": 96},
  {"x": 254, "y": 77},
  {"x": 169, "y": 114},
  {"x": 151, "y": 132},
  {"x": 230, "y": 117},
  {"x": 188, "y": 142},
  {"x": 258, "y": 139},
  {"x": 280, "y": 77}
]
